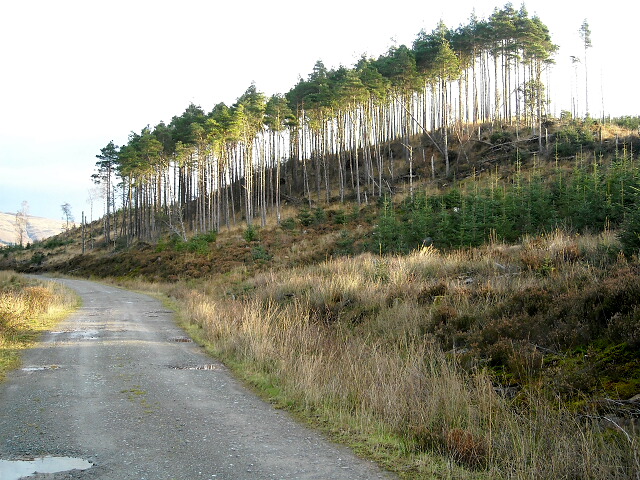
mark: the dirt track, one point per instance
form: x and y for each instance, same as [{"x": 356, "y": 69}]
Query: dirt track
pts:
[{"x": 117, "y": 385}]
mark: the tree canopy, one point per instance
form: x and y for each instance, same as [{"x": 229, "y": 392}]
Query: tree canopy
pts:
[{"x": 203, "y": 169}]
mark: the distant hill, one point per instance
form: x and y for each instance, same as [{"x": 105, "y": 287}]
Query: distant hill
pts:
[{"x": 38, "y": 228}]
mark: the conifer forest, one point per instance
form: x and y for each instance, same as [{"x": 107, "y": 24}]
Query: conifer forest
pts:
[{"x": 336, "y": 135}]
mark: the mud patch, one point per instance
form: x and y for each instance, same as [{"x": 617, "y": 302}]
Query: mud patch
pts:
[{"x": 16, "y": 469}]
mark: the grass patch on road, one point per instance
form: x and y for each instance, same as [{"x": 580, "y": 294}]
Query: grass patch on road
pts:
[{"x": 27, "y": 308}]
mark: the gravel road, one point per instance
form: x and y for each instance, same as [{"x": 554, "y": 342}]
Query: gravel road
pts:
[{"x": 117, "y": 384}]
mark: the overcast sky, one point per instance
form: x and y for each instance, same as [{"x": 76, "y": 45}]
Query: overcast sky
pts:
[{"x": 75, "y": 74}]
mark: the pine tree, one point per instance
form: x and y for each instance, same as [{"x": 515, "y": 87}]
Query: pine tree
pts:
[
  {"x": 106, "y": 165},
  {"x": 585, "y": 35}
]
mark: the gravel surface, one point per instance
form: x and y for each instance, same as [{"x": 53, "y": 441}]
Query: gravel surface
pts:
[{"x": 117, "y": 384}]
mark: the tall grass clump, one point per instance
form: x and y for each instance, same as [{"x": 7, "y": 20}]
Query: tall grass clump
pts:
[
  {"x": 466, "y": 364},
  {"x": 27, "y": 308}
]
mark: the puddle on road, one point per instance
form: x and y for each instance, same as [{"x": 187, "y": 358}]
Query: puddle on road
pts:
[
  {"x": 84, "y": 334},
  {"x": 76, "y": 334},
  {"x": 210, "y": 366},
  {"x": 39, "y": 368},
  {"x": 181, "y": 339},
  {"x": 15, "y": 469}
]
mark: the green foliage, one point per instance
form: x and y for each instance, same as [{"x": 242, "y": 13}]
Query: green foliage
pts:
[
  {"x": 197, "y": 244},
  {"x": 387, "y": 233},
  {"x": 593, "y": 197},
  {"x": 37, "y": 258},
  {"x": 288, "y": 224},
  {"x": 500, "y": 136},
  {"x": 573, "y": 138},
  {"x": 339, "y": 217},
  {"x": 305, "y": 217},
  {"x": 200, "y": 243},
  {"x": 120, "y": 243},
  {"x": 55, "y": 242},
  {"x": 355, "y": 213},
  {"x": 319, "y": 215},
  {"x": 6, "y": 249},
  {"x": 260, "y": 253},
  {"x": 630, "y": 233},
  {"x": 632, "y": 123},
  {"x": 344, "y": 244},
  {"x": 251, "y": 234},
  {"x": 210, "y": 237},
  {"x": 168, "y": 243}
]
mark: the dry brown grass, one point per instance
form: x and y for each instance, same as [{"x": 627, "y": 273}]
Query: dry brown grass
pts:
[
  {"x": 17, "y": 306},
  {"x": 27, "y": 308},
  {"x": 401, "y": 348}
]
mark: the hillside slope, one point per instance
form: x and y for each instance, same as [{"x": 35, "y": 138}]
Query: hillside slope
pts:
[
  {"x": 485, "y": 326},
  {"x": 38, "y": 228}
]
